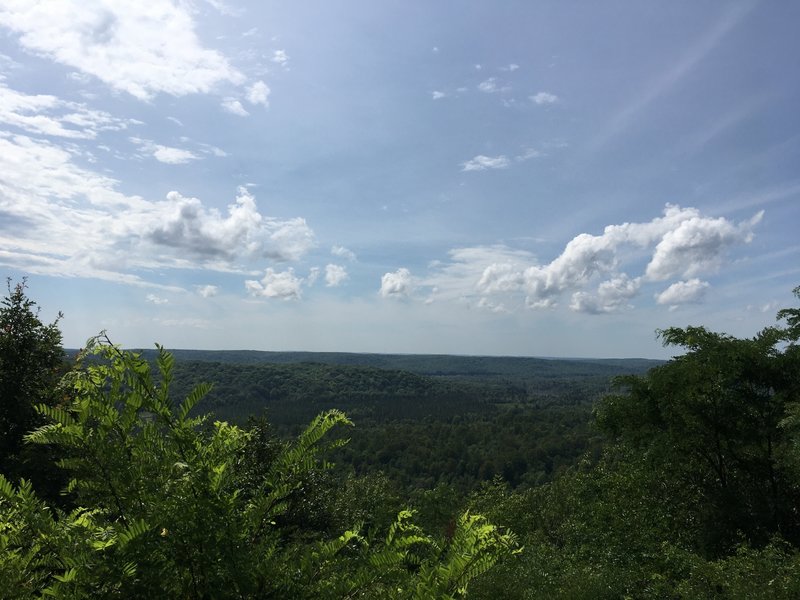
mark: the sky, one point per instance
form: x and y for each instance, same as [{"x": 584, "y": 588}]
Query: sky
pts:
[{"x": 528, "y": 178}]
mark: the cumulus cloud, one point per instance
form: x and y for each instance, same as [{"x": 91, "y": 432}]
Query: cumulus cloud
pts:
[
  {"x": 284, "y": 285},
  {"x": 684, "y": 243},
  {"x": 611, "y": 296},
  {"x": 184, "y": 223},
  {"x": 258, "y": 93},
  {"x": 438, "y": 95},
  {"x": 207, "y": 291},
  {"x": 623, "y": 259},
  {"x": 122, "y": 44},
  {"x": 397, "y": 284},
  {"x": 153, "y": 299},
  {"x": 234, "y": 107},
  {"x": 696, "y": 245},
  {"x": 692, "y": 291},
  {"x": 343, "y": 252},
  {"x": 335, "y": 275},
  {"x": 43, "y": 114},
  {"x": 544, "y": 98},
  {"x": 481, "y": 163}
]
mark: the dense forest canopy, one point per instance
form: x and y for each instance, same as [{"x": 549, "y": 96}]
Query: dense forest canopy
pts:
[{"x": 679, "y": 482}]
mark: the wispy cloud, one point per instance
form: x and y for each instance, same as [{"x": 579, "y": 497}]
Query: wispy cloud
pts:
[
  {"x": 544, "y": 98},
  {"x": 482, "y": 162},
  {"x": 122, "y": 44},
  {"x": 165, "y": 154},
  {"x": 43, "y": 114},
  {"x": 668, "y": 79},
  {"x": 343, "y": 252}
]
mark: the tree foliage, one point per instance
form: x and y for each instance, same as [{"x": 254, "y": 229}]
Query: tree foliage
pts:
[
  {"x": 31, "y": 364},
  {"x": 711, "y": 419},
  {"x": 170, "y": 507}
]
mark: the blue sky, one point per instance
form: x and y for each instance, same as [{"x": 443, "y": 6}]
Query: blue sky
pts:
[{"x": 512, "y": 178}]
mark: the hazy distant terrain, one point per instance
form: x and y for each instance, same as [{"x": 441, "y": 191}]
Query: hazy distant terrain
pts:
[{"x": 422, "y": 420}]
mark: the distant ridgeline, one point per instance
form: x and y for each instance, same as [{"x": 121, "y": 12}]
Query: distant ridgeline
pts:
[{"x": 246, "y": 380}]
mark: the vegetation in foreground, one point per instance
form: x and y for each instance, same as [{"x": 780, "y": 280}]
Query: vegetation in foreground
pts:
[{"x": 693, "y": 494}]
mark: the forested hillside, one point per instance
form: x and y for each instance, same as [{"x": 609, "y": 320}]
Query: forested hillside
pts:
[{"x": 679, "y": 482}]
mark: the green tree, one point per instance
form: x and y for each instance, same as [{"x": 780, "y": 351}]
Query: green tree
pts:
[
  {"x": 712, "y": 418},
  {"x": 31, "y": 364}
]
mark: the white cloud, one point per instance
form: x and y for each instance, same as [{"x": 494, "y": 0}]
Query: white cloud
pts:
[
  {"x": 153, "y": 299},
  {"x": 697, "y": 246},
  {"x": 43, "y": 114},
  {"x": 398, "y": 284},
  {"x": 60, "y": 219},
  {"x": 684, "y": 292},
  {"x": 233, "y": 106},
  {"x": 588, "y": 255},
  {"x": 487, "y": 304},
  {"x": 512, "y": 67},
  {"x": 481, "y": 163},
  {"x": 165, "y": 154},
  {"x": 460, "y": 278},
  {"x": 335, "y": 275},
  {"x": 313, "y": 275},
  {"x": 528, "y": 154},
  {"x": 343, "y": 252},
  {"x": 207, "y": 291},
  {"x": 186, "y": 225},
  {"x": 258, "y": 93},
  {"x": 544, "y": 98},
  {"x": 122, "y": 44},
  {"x": 283, "y": 285},
  {"x": 280, "y": 57},
  {"x": 438, "y": 95},
  {"x": 173, "y": 156},
  {"x": 679, "y": 242},
  {"x": 492, "y": 86},
  {"x": 489, "y": 86},
  {"x": 611, "y": 296}
]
